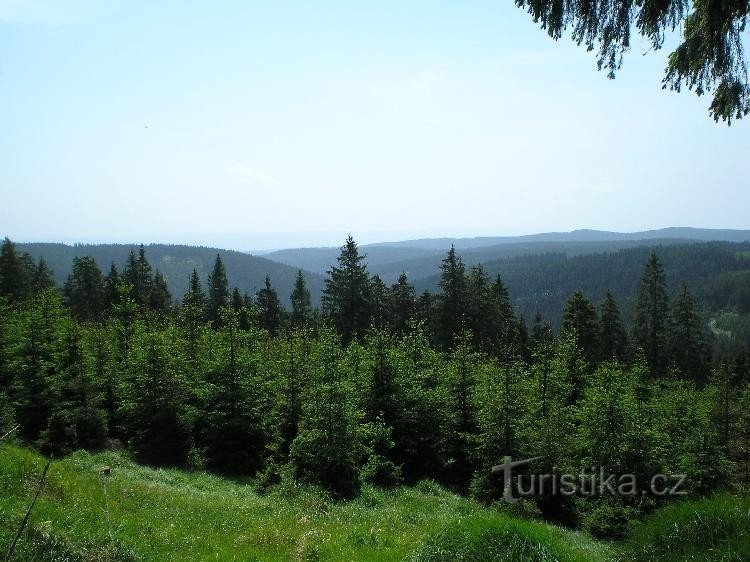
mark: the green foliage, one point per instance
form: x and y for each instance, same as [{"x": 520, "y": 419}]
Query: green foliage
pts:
[
  {"x": 709, "y": 57},
  {"x": 715, "y": 528},
  {"x": 650, "y": 330}
]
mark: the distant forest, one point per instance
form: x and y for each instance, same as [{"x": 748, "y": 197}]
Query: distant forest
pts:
[{"x": 387, "y": 384}]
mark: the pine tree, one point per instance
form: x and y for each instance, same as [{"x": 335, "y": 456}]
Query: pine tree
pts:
[
  {"x": 612, "y": 337},
  {"x": 160, "y": 299},
  {"x": 505, "y": 342},
  {"x": 235, "y": 437},
  {"x": 218, "y": 292},
  {"x": 464, "y": 427},
  {"x": 378, "y": 302},
  {"x": 328, "y": 447},
  {"x": 651, "y": 319},
  {"x": 688, "y": 340},
  {"x": 451, "y": 302},
  {"x": 111, "y": 282},
  {"x": 154, "y": 396},
  {"x": 480, "y": 314},
  {"x": 84, "y": 290},
  {"x": 580, "y": 322},
  {"x": 301, "y": 308},
  {"x": 138, "y": 274},
  {"x": 401, "y": 304},
  {"x": 15, "y": 281},
  {"x": 346, "y": 298},
  {"x": 269, "y": 308},
  {"x": 43, "y": 278}
]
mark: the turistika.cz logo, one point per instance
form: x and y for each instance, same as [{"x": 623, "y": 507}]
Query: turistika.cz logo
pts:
[{"x": 595, "y": 483}]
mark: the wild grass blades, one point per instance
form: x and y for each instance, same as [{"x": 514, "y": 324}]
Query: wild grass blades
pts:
[
  {"x": 104, "y": 474},
  {"x": 25, "y": 520},
  {"x": 11, "y": 431}
]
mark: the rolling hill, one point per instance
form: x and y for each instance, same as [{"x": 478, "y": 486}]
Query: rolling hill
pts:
[{"x": 177, "y": 262}]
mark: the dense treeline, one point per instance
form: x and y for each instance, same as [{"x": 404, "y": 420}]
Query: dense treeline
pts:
[{"x": 379, "y": 384}]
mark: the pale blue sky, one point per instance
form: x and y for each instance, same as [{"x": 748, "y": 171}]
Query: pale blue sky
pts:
[{"x": 269, "y": 124}]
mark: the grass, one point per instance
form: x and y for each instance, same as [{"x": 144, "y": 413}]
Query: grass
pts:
[
  {"x": 173, "y": 515},
  {"x": 715, "y": 528}
]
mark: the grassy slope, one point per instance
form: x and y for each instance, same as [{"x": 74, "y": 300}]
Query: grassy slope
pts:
[{"x": 172, "y": 515}]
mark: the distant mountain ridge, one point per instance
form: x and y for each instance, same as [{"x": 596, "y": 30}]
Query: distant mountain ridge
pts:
[
  {"x": 420, "y": 258},
  {"x": 176, "y": 262}
]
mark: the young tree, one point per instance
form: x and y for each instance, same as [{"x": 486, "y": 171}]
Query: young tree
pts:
[
  {"x": 328, "y": 447},
  {"x": 301, "y": 307},
  {"x": 218, "y": 292},
  {"x": 651, "y": 317},
  {"x": 15, "y": 281},
  {"x": 43, "y": 278},
  {"x": 613, "y": 341},
  {"x": 378, "y": 302},
  {"x": 236, "y": 436},
  {"x": 154, "y": 395},
  {"x": 401, "y": 304},
  {"x": 84, "y": 290},
  {"x": 451, "y": 302},
  {"x": 346, "y": 296},
  {"x": 580, "y": 322},
  {"x": 160, "y": 299},
  {"x": 269, "y": 308},
  {"x": 688, "y": 340},
  {"x": 111, "y": 282}
]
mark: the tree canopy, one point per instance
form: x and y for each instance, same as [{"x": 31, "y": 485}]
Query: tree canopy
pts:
[{"x": 709, "y": 58}]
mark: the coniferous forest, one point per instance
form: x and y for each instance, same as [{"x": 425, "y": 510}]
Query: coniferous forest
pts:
[{"x": 378, "y": 386}]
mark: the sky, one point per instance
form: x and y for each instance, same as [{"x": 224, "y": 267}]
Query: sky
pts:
[{"x": 258, "y": 125}]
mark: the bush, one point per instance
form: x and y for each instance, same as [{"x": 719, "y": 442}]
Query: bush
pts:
[{"x": 609, "y": 520}]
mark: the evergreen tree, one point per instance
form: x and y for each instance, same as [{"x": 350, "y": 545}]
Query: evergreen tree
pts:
[
  {"x": 15, "y": 281},
  {"x": 160, "y": 299},
  {"x": 612, "y": 338},
  {"x": 111, "y": 282},
  {"x": 580, "y": 322},
  {"x": 301, "y": 307},
  {"x": 137, "y": 274},
  {"x": 154, "y": 400},
  {"x": 84, "y": 290},
  {"x": 76, "y": 420},
  {"x": 505, "y": 342},
  {"x": 464, "y": 427},
  {"x": 236, "y": 437},
  {"x": 43, "y": 278},
  {"x": 542, "y": 337},
  {"x": 651, "y": 317},
  {"x": 451, "y": 302},
  {"x": 218, "y": 292},
  {"x": 688, "y": 341},
  {"x": 328, "y": 447},
  {"x": 401, "y": 304},
  {"x": 378, "y": 302},
  {"x": 269, "y": 308},
  {"x": 346, "y": 298}
]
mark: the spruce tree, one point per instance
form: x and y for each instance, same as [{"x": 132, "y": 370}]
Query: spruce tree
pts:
[
  {"x": 84, "y": 290},
  {"x": 300, "y": 297},
  {"x": 613, "y": 341},
  {"x": 43, "y": 278},
  {"x": 346, "y": 298},
  {"x": 580, "y": 321},
  {"x": 160, "y": 299},
  {"x": 111, "y": 282},
  {"x": 328, "y": 447},
  {"x": 15, "y": 281},
  {"x": 218, "y": 292},
  {"x": 236, "y": 437},
  {"x": 401, "y": 304},
  {"x": 650, "y": 330},
  {"x": 269, "y": 308},
  {"x": 451, "y": 302},
  {"x": 378, "y": 302},
  {"x": 688, "y": 340}
]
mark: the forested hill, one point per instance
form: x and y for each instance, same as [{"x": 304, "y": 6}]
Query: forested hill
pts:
[
  {"x": 176, "y": 263},
  {"x": 421, "y": 258},
  {"x": 717, "y": 272}
]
